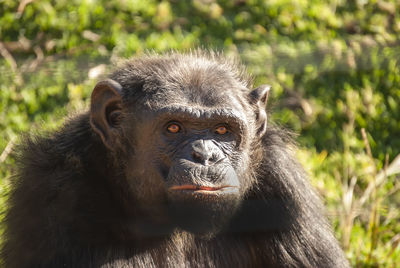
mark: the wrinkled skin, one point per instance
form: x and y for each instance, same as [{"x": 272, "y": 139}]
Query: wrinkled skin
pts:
[
  {"x": 172, "y": 166},
  {"x": 197, "y": 174}
]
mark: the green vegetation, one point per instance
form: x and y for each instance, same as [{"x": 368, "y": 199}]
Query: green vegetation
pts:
[{"x": 334, "y": 67}]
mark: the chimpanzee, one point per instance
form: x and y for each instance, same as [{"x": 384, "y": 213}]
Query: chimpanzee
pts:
[{"x": 173, "y": 166}]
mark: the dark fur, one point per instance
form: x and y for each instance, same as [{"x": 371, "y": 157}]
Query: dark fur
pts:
[{"x": 67, "y": 206}]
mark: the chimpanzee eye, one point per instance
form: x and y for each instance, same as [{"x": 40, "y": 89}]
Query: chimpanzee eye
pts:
[
  {"x": 173, "y": 128},
  {"x": 221, "y": 130}
]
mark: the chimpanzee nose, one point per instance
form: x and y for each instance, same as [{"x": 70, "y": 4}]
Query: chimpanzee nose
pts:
[
  {"x": 205, "y": 152},
  {"x": 201, "y": 157}
]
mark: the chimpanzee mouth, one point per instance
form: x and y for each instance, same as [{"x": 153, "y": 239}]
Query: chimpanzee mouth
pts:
[{"x": 203, "y": 189}]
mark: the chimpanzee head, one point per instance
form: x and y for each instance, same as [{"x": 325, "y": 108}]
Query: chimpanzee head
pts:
[{"x": 188, "y": 128}]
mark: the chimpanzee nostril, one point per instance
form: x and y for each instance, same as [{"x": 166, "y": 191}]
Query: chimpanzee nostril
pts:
[
  {"x": 198, "y": 157},
  {"x": 213, "y": 158}
]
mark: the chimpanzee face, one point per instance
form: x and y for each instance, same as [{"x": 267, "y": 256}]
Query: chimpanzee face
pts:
[{"x": 190, "y": 146}]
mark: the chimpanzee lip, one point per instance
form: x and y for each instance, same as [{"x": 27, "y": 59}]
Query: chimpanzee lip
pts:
[{"x": 196, "y": 188}]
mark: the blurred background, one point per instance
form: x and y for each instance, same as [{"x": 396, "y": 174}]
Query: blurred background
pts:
[{"x": 334, "y": 67}]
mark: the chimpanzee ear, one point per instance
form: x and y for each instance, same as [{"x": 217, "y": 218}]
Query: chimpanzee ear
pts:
[
  {"x": 105, "y": 109},
  {"x": 259, "y": 98}
]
